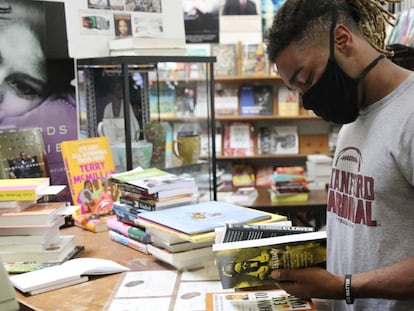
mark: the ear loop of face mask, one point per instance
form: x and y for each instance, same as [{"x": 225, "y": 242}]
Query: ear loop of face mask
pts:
[{"x": 332, "y": 52}]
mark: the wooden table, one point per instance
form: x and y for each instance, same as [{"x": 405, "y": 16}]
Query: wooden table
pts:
[
  {"x": 316, "y": 205},
  {"x": 91, "y": 295}
]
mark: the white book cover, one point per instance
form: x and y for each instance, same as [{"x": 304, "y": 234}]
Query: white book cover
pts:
[
  {"x": 68, "y": 271},
  {"x": 182, "y": 260}
]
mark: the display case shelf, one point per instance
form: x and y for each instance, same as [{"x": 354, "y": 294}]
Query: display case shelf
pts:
[{"x": 144, "y": 80}]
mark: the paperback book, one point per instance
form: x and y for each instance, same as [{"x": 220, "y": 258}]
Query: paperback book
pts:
[
  {"x": 23, "y": 189},
  {"x": 36, "y": 214},
  {"x": 59, "y": 276},
  {"x": 249, "y": 263},
  {"x": 59, "y": 251},
  {"x": 152, "y": 180},
  {"x": 269, "y": 300},
  {"x": 126, "y": 241},
  {"x": 89, "y": 165},
  {"x": 203, "y": 217}
]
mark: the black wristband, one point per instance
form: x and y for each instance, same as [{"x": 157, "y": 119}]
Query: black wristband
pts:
[{"x": 349, "y": 299}]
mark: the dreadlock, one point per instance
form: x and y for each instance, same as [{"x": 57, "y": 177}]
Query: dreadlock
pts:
[
  {"x": 299, "y": 20},
  {"x": 372, "y": 21}
]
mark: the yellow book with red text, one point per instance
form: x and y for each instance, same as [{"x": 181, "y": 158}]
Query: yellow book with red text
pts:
[{"x": 89, "y": 166}]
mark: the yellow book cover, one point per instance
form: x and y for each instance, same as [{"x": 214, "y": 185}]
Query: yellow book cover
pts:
[
  {"x": 22, "y": 189},
  {"x": 89, "y": 166},
  {"x": 249, "y": 263}
]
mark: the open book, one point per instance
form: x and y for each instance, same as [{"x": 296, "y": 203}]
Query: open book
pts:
[{"x": 69, "y": 273}]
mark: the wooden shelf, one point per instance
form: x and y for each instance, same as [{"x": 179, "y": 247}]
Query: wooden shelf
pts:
[
  {"x": 263, "y": 156},
  {"x": 239, "y": 79},
  {"x": 265, "y": 117}
]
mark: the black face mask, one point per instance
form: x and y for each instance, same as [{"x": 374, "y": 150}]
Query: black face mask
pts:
[{"x": 334, "y": 97}]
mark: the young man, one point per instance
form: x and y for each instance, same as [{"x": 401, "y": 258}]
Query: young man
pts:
[{"x": 332, "y": 52}]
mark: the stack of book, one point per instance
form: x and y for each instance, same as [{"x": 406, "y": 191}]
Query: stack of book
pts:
[
  {"x": 32, "y": 235},
  {"x": 182, "y": 236},
  {"x": 146, "y": 190},
  {"x": 29, "y": 230},
  {"x": 123, "y": 230},
  {"x": 318, "y": 168},
  {"x": 153, "y": 189},
  {"x": 289, "y": 185}
]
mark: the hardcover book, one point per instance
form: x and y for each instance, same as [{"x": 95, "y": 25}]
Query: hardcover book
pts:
[
  {"x": 227, "y": 60},
  {"x": 256, "y": 100},
  {"x": 249, "y": 263},
  {"x": 253, "y": 60},
  {"x": 89, "y": 166},
  {"x": 203, "y": 217},
  {"x": 239, "y": 139},
  {"x": 152, "y": 180},
  {"x": 288, "y": 102},
  {"x": 278, "y": 140},
  {"x": 23, "y": 154}
]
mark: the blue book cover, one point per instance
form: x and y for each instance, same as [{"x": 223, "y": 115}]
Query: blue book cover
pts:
[{"x": 203, "y": 217}]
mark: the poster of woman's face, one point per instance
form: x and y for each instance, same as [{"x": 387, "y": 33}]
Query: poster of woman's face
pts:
[{"x": 36, "y": 74}]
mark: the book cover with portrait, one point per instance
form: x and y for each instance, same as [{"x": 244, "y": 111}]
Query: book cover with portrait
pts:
[
  {"x": 89, "y": 166},
  {"x": 22, "y": 155},
  {"x": 38, "y": 93}
]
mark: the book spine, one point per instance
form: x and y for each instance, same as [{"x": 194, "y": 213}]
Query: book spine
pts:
[
  {"x": 130, "y": 231},
  {"x": 125, "y": 214},
  {"x": 18, "y": 195},
  {"x": 147, "y": 205},
  {"x": 141, "y": 247},
  {"x": 130, "y": 188}
]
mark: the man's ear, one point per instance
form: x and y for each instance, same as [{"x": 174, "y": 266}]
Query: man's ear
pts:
[{"x": 343, "y": 39}]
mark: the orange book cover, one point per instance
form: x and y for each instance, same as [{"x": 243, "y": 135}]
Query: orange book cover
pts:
[{"x": 89, "y": 166}]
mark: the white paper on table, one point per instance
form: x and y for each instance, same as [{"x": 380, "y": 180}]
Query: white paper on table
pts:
[
  {"x": 192, "y": 295},
  {"x": 147, "y": 284}
]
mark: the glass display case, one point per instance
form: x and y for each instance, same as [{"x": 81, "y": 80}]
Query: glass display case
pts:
[{"x": 157, "y": 111}]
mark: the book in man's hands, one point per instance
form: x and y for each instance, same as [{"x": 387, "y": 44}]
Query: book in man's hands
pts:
[
  {"x": 249, "y": 263},
  {"x": 71, "y": 272},
  {"x": 238, "y": 232}
]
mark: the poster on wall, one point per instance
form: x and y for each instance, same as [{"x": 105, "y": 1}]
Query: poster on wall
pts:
[
  {"x": 240, "y": 19},
  {"x": 269, "y": 9},
  {"x": 92, "y": 24},
  {"x": 37, "y": 90},
  {"x": 201, "y": 21}
]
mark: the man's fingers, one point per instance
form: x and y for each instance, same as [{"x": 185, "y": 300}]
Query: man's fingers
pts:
[{"x": 282, "y": 274}]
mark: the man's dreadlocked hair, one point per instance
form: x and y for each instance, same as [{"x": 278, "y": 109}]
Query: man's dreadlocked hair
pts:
[{"x": 299, "y": 20}]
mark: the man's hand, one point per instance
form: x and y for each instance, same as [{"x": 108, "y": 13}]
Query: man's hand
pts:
[{"x": 310, "y": 283}]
